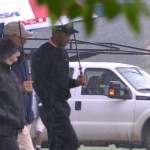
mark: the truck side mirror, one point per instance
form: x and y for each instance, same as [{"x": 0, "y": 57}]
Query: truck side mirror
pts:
[{"x": 116, "y": 91}]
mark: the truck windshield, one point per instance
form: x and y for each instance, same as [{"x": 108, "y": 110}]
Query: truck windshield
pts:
[{"x": 137, "y": 77}]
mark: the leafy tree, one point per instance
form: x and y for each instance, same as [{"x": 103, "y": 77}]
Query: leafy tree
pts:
[{"x": 111, "y": 8}]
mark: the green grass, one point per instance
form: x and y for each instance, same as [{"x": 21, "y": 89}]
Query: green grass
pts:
[
  {"x": 101, "y": 148},
  {"x": 105, "y": 148}
]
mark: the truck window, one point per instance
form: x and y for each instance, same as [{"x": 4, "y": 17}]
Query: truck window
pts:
[
  {"x": 137, "y": 77},
  {"x": 98, "y": 81}
]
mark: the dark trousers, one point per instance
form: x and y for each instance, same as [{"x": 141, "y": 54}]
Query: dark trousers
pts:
[
  {"x": 8, "y": 140},
  {"x": 61, "y": 134}
]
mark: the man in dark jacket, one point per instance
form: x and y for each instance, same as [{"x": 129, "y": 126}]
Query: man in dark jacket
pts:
[
  {"x": 50, "y": 73},
  {"x": 11, "y": 103},
  {"x": 19, "y": 35}
]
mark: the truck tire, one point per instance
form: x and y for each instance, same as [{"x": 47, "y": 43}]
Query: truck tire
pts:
[{"x": 147, "y": 139}]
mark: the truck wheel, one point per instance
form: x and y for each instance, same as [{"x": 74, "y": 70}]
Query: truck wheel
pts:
[{"x": 147, "y": 139}]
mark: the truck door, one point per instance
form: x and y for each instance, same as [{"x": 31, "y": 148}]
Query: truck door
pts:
[{"x": 97, "y": 117}]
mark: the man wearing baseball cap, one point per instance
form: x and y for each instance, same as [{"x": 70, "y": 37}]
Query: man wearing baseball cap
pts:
[
  {"x": 18, "y": 34},
  {"x": 52, "y": 85}
]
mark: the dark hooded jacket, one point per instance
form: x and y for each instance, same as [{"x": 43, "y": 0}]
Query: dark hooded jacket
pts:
[
  {"x": 21, "y": 69},
  {"x": 50, "y": 73},
  {"x": 11, "y": 103}
]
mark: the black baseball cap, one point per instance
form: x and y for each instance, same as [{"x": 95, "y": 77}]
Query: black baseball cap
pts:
[{"x": 68, "y": 29}]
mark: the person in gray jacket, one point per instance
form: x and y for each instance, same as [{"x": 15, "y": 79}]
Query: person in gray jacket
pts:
[{"x": 11, "y": 104}]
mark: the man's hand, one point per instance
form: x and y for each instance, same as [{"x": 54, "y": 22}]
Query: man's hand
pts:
[
  {"x": 27, "y": 86},
  {"x": 81, "y": 80}
]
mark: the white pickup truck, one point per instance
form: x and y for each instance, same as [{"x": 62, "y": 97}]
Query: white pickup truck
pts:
[{"x": 114, "y": 106}]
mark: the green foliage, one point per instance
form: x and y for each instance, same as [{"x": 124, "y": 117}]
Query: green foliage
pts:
[{"x": 111, "y": 8}]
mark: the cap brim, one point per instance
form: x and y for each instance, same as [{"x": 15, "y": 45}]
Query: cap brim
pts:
[
  {"x": 72, "y": 31},
  {"x": 65, "y": 29},
  {"x": 26, "y": 34}
]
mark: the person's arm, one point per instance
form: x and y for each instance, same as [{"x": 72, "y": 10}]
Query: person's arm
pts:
[
  {"x": 3, "y": 113},
  {"x": 43, "y": 74}
]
